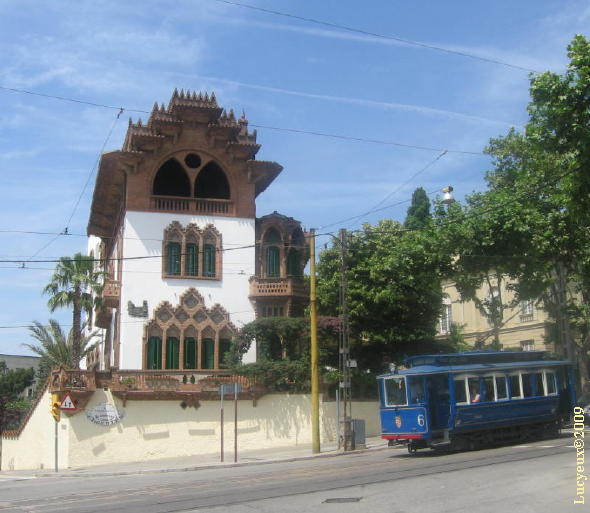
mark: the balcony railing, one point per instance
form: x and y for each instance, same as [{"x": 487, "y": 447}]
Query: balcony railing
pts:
[
  {"x": 193, "y": 205},
  {"x": 111, "y": 293},
  {"x": 144, "y": 382},
  {"x": 277, "y": 287}
]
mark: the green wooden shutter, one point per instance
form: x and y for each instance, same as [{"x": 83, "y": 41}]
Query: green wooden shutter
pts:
[
  {"x": 272, "y": 262},
  {"x": 191, "y": 266},
  {"x": 154, "y": 353},
  {"x": 294, "y": 263},
  {"x": 173, "y": 263},
  {"x": 172, "y": 352},
  {"x": 208, "y": 353},
  {"x": 190, "y": 353},
  {"x": 209, "y": 261}
]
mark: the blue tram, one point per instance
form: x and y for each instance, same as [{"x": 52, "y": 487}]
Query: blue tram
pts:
[{"x": 472, "y": 399}]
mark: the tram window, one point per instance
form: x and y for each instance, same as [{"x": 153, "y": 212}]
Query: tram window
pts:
[
  {"x": 515, "y": 391},
  {"x": 551, "y": 384},
  {"x": 537, "y": 380},
  {"x": 395, "y": 392},
  {"x": 527, "y": 385},
  {"x": 460, "y": 392},
  {"x": 488, "y": 388},
  {"x": 416, "y": 387},
  {"x": 501, "y": 390},
  {"x": 474, "y": 391}
]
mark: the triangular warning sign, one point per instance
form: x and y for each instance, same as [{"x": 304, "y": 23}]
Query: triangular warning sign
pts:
[{"x": 67, "y": 403}]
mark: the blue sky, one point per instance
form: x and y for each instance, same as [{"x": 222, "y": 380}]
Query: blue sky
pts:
[{"x": 283, "y": 73}]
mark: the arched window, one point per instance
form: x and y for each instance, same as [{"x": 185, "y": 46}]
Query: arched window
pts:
[
  {"x": 273, "y": 264},
  {"x": 208, "y": 349},
  {"x": 212, "y": 183},
  {"x": 190, "y": 348},
  {"x": 189, "y": 336},
  {"x": 171, "y": 180},
  {"x": 272, "y": 241},
  {"x": 191, "y": 253},
  {"x": 154, "y": 348},
  {"x": 294, "y": 263},
  {"x": 209, "y": 260},
  {"x": 173, "y": 348}
]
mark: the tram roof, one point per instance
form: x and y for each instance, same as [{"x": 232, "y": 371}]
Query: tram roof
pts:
[{"x": 475, "y": 361}]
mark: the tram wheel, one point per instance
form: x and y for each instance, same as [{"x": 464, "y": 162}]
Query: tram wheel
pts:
[{"x": 412, "y": 449}]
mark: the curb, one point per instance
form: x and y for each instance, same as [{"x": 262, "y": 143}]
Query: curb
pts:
[{"x": 210, "y": 466}]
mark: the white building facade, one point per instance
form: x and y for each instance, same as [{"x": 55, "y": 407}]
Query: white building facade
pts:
[{"x": 173, "y": 225}]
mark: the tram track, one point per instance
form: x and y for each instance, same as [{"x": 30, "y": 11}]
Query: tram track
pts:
[{"x": 292, "y": 480}]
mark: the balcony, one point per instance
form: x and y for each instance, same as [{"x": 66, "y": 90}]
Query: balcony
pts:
[
  {"x": 161, "y": 384},
  {"x": 217, "y": 207},
  {"x": 111, "y": 293},
  {"x": 275, "y": 287}
]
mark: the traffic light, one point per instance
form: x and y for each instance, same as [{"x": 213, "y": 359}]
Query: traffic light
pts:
[{"x": 55, "y": 403}]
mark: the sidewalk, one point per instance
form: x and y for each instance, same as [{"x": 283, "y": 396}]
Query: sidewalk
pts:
[{"x": 188, "y": 463}]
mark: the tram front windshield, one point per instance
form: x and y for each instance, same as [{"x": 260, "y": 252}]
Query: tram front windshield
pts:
[{"x": 395, "y": 392}]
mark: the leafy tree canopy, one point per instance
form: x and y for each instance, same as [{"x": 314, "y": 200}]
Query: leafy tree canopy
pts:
[
  {"x": 394, "y": 289},
  {"x": 418, "y": 216}
]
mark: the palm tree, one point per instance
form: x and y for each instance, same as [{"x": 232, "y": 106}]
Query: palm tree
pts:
[
  {"x": 75, "y": 283},
  {"x": 56, "y": 348}
]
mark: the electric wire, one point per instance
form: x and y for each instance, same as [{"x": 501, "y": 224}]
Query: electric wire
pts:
[
  {"x": 378, "y": 35},
  {"x": 267, "y": 127}
]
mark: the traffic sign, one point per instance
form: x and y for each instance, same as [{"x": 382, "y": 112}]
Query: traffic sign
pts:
[{"x": 67, "y": 403}]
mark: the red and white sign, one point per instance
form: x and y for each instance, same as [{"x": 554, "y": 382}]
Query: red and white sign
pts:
[{"x": 67, "y": 403}]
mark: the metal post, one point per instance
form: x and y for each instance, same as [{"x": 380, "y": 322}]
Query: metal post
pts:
[
  {"x": 344, "y": 348},
  {"x": 221, "y": 412},
  {"x": 235, "y": 422},
  {"x": 338, "y": 425},
  {"x": 315, "y": 381},
  {"x": 56, "y": 445}
]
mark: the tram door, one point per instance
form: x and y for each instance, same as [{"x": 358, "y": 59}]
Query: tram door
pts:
[{"x": 439, "y": 402}]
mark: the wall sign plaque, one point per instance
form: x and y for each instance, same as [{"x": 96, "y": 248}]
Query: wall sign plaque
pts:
[
  {"x": 137, "y": 311},
  {"x": 104, "y": 414}
]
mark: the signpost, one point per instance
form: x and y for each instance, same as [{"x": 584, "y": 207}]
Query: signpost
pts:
[{"x": 227, "y": 388}]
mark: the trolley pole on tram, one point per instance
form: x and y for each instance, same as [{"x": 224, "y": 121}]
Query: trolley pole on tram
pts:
[{"x": 315, "y": 381}]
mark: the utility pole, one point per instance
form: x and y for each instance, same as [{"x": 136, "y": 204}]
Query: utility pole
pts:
[
  {"x": 344, "y": 347},
  {"x": 315, "y": 380}
]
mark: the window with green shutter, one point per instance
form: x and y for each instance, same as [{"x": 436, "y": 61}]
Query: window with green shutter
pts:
[
  {"x": 173, "y": 263},
  {"x": 272, "y": 262},
  {"x": 190, "y": 353},
  {"x": 208, "y": 353},
  {"x": 209, "y": 261},
  {"x": 172, "y": 353},
  {"x": 154, "y": 353},
  {"x": 190, "y": 259},
  {"x": 294, "y": 263}
]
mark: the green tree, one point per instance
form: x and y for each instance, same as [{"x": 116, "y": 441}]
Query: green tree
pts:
[
  {"x": 535, "y": 213},
  {"x": 12, "y": 383},
  {"x": 56, "y": 348},
  {"x": 418, "y": 216},
  {"x": 75, "y": 283},
  {"x": 394, "y": 289}
]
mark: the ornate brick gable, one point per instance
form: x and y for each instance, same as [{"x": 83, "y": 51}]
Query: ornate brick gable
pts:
[{"x": 193, "y": 133}]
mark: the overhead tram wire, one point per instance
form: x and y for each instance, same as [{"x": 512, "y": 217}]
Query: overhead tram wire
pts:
[
  {"x": 401, "y": 186},
  {"x": 94, "y": 167},
  {"x": 66, "y": 229},
  {"x": 375, "y": 208},
  {"x": 264, "y": 127},
  {"x": 378, "y": 35}
]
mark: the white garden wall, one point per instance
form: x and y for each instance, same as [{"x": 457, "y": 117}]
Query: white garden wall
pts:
[{"x": 151, "y": 430}]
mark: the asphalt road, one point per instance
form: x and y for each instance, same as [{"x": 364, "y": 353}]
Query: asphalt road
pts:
[{"x": 536, "y": 477}]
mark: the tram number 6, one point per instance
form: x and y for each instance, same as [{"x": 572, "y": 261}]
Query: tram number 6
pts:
[{"x": 420, "y": 420}]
